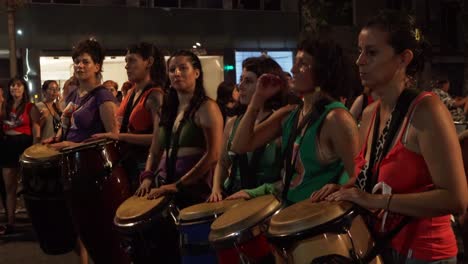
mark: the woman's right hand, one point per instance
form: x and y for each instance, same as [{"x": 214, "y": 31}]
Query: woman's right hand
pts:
[
  {"x": 267, "y": 86},
  {"x": 326, "y": 190},
  {"x": 144, "y": 188},
  {"x": 48, "y": 140},
  {"x": 216, "y": 196},
  {"x": 239, "y": 195}
]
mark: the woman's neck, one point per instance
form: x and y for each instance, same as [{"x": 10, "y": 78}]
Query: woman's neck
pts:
[
  {"x": 184, "y": 99},
  {"x": 88, "y": 85},
  {"x": 309, "y": 101},
  {"x": 389, "y": 95},
  {"x": 140, "y": 85},
  {"x": 17, "y": 101}
]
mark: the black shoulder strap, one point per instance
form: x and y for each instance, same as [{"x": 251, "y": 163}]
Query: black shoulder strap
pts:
[
  {"x": 248, "y": 169},
  {"x": 365, "y": 101},
  {"x": 401, "y": 109},
  {"x": 129, "y": 107},
  {"x": 309, "y": 119},
  {"x": 173, "y": 143}
]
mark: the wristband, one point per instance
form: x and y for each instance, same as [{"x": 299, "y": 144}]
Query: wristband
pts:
[
  {"x": 146, "y": 174},
  {"x": 388, "y": 202}
]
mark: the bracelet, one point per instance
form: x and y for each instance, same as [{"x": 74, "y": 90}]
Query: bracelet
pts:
[
  {"x": 387, "y": 208},
  {"x": 146, "y": 174}
]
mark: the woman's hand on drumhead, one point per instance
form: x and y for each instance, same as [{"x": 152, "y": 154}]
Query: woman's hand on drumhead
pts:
[
  {"x": 144, "y": 188},
  {"x": 109, "y": 135},
  {"x": 161, "y": 191},
  {"x": 239, "y": 195},
  {"x": 48, "y": 140},
  {"x": 326, "y": 190},
  {"x": 215, "y": 197},
  {"x": 64, "y": 144},
  {"x": 354, "y": 195}
]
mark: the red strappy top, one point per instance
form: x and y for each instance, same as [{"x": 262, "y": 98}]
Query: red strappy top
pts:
[
  {"x": 141, "y": 120},
  {"x": 406, "y": 172}
]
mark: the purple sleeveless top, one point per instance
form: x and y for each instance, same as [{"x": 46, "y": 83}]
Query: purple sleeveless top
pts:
[{"x": 86, "y": 120}]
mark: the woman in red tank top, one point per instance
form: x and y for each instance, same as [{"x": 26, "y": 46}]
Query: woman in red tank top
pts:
[
  {"x": 423, "y": 170},
  {"x": 139, "y": 112},
  {"x": 16, "y": 115}
]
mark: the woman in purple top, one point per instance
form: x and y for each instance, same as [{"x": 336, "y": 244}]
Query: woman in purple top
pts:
[{"x": 92, "y": 109}]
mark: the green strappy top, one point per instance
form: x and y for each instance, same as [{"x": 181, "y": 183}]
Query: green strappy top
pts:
[
  {"x": 268, "y": 165},
  {"x": 309, "y": 174},
  {"x": 191, "y": 136}
]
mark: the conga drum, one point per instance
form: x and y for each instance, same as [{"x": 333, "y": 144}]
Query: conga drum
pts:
[
  {"x": 96, "y": 185},
  {"x": 325, "y": 232},
  {"x": 45, "y": 200},
  {"x": 148, "y": 229},
  {"x": 194, "y": 227},
  {"x": 238, "y": 234}
]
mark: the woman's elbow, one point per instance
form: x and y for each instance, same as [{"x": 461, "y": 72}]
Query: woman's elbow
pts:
[{"x": 458, "y": 204}]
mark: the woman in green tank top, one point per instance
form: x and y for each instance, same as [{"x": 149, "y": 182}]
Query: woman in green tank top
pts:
[
  {"x": 326, "y": 140},
  {"x": 234, "y": 172}
]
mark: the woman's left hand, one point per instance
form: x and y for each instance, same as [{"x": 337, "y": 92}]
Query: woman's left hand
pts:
[
  {"x": 63, "y": 144},
  {"x": 109, "y": 135},
  {"x": 161, "y": 191},
  {"x": 354, "y": 195}
]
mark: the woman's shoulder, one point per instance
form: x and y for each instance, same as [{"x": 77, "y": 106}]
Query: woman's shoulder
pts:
[{"x": 101, "y": 95}]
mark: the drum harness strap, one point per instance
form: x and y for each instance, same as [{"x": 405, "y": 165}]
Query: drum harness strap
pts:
[
  {"x": 246, "y": 168},
  {"x": 307, "y": 121},
  {"x": 404, "y": 101},
  {"x": 131, "y": 105}
]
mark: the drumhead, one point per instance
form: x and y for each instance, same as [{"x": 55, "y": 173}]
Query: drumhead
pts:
[
  {"x": 87, "y": 145},
  {"x": 203, "y": 210},
  {"x": 306, "y": 215},
  {"x": 40, "y": 152},
  {"x": 244, "y": 216},
  {"x": 136, "y": 208}
]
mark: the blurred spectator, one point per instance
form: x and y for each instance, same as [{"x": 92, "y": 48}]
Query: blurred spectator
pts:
[
  {"x": 112, "y": 86},
  {"x": 227, "y": 96},
  {"x": 125, "y": 87},
  {"x": 457, "y": 107},
  {"x": 49, "y": 121},
  {"x": 69, "y": 86}
]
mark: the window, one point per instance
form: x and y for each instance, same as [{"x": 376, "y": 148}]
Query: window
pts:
[{"x": 283, "y": 58}]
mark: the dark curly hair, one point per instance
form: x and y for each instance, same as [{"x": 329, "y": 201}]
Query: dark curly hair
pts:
[
  {"x": 93, "y": 48},
  {"x": 171, "y": 102},
  {"x": 46, "y": 84},
  {"x": 402, "y": 34},
  {"x": 332, "y": 69},
  {"x": 264, "y": 64},
  {"x": 9, "y": 98},
  {"x": 158, "y": 69}
]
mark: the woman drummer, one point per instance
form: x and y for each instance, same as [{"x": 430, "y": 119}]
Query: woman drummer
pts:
[
  {"x": 258, "y": 167},
  {"x": 92, "y": 107},
  {"x": 423, "y": 168},
  {"x": 191, "y": 136},
  {"x": 327, "y": 137},
  {"x": 140, "y": 111}
]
